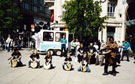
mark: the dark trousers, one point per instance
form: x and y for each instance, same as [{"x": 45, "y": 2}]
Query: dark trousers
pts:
[
  {"x": 125, "y": 53},
  {"x": 73, "y": 51},
  {"x": 8, "y": 49},
  {"x": 63, "y": 51},
  {"x": 107, "y": 64},
  {"x": 79, "y": 58}
]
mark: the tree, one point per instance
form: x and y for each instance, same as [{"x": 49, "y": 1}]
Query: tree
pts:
[
  {"x": 9, "y": 15},
  {"x": 82, "y": 17}
]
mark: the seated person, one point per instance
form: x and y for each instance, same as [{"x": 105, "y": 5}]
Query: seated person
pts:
[
  {"x": 67, "y": 64},
  {"x": 34, "y": 58},
  {"x": 91, "y": 54},
  {"x": 48, "y": 60},
  {"x": 16, "y": 55},
  {"x": 80, "y": 52},
  {"x": 84, "y": 63}
]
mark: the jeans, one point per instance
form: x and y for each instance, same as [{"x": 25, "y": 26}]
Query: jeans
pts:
[
  {"x": 63, "y": 51},
  {"x": 87, "y": 69},
  {"x": 73, "y": 51},
  {"x": 125, "y": 53},
  {"x": 8, "y": 49}
]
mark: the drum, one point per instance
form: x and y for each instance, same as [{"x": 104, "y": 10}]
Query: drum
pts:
[
  {"x": 33, "y": 64},
  {"x": 110, "y": 60},
  {"x": 113, "y": 55},
  {"x": 47, "y": 65},
  {"x": 67, "y": 67},
  {"x": 83, "y": 69},
  {"x": 14, "y": 63}
]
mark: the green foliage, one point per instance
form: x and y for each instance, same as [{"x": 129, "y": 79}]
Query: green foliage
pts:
[
  {"x": 9, "y": 15},
  {"x": 82, "y": 17}
]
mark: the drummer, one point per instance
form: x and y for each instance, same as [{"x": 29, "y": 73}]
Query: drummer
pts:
[
  {"x": 84, "y": 63},
  {"x": 48, "y": 59},
  {"x": 16, "y": 55},
  {"x": 34, "y": 57},
  {"x": 67, "y": 60}
]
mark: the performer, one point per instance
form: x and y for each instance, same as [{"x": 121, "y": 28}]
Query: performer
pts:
[
  {"x": 91, "y": 54},
  {"x": 63, "y": 45},
  {"x": 34, "y": 58},
  {"x": 84, "y": 63},
  {"x": 110, "y": 59},
  {"x": 80, "y": 52},
  {"x": 48, "y": 60},
  {"x": 15, "y": 57},
  {"x": 67, "y": 64},
  {"x": 117, "y": 52}
]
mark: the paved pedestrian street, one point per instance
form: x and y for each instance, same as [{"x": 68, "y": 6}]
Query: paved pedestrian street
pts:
[{"x": 25, "y": 75}]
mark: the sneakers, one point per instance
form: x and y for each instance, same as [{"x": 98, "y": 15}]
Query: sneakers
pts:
[
  {"x": 114, "y": 74},
  {"x": 105, "y": 73}
]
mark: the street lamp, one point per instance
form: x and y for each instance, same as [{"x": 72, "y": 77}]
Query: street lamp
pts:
[
  {"x": 12, "y": 13},
  {"x": 102, "y": 1}
]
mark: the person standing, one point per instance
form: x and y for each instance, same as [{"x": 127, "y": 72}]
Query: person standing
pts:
[
  {"x": 96, "y": 53},
  {"x": 110, "y": 59},
  {"x": 73, "y": 47},
  {"x": 77, "y": 45},
  {"x": 133, "y": 47},
  {"x": 3, "y": 43},
  {"x": 126, "y": 47},
  {"x": 8, "y": 42},
  {"x": 63, "y": 42}
]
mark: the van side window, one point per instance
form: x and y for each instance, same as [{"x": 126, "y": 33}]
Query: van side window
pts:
[
  {"x": 48, "y": 36},
  {"x": 58, "y": 36}
]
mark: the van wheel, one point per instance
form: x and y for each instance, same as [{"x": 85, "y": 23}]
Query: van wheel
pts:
[
  {"x": 51, "y": 52},
  {"x": 58, "y": 52}
]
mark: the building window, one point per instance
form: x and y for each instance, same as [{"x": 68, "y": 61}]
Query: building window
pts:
[
  {"x": 27, "y": 6},
  {"x": 35, "y": 9},
  {"x": 111, "y": 9},
  {"x": 23, "y": 5},
  {"x": 41, "y": 8},
  {"x": 41, "y": 1},
  {"x": 34, "y": 1},
  {"x": 45, "y": 9}
]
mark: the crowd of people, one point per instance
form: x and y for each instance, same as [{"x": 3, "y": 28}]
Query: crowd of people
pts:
[
  {"x": 108, "y": 54},
  {"x": 19, "y": 42}
]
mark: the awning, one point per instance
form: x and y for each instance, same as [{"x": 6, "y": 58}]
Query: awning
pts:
[{"x": 130, "y": 22}]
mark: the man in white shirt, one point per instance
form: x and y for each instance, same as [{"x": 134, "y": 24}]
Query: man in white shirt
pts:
[{"x": 8, "y": 41}]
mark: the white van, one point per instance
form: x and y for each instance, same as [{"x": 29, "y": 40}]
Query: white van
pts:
[{"x": 49, "y": 40}]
